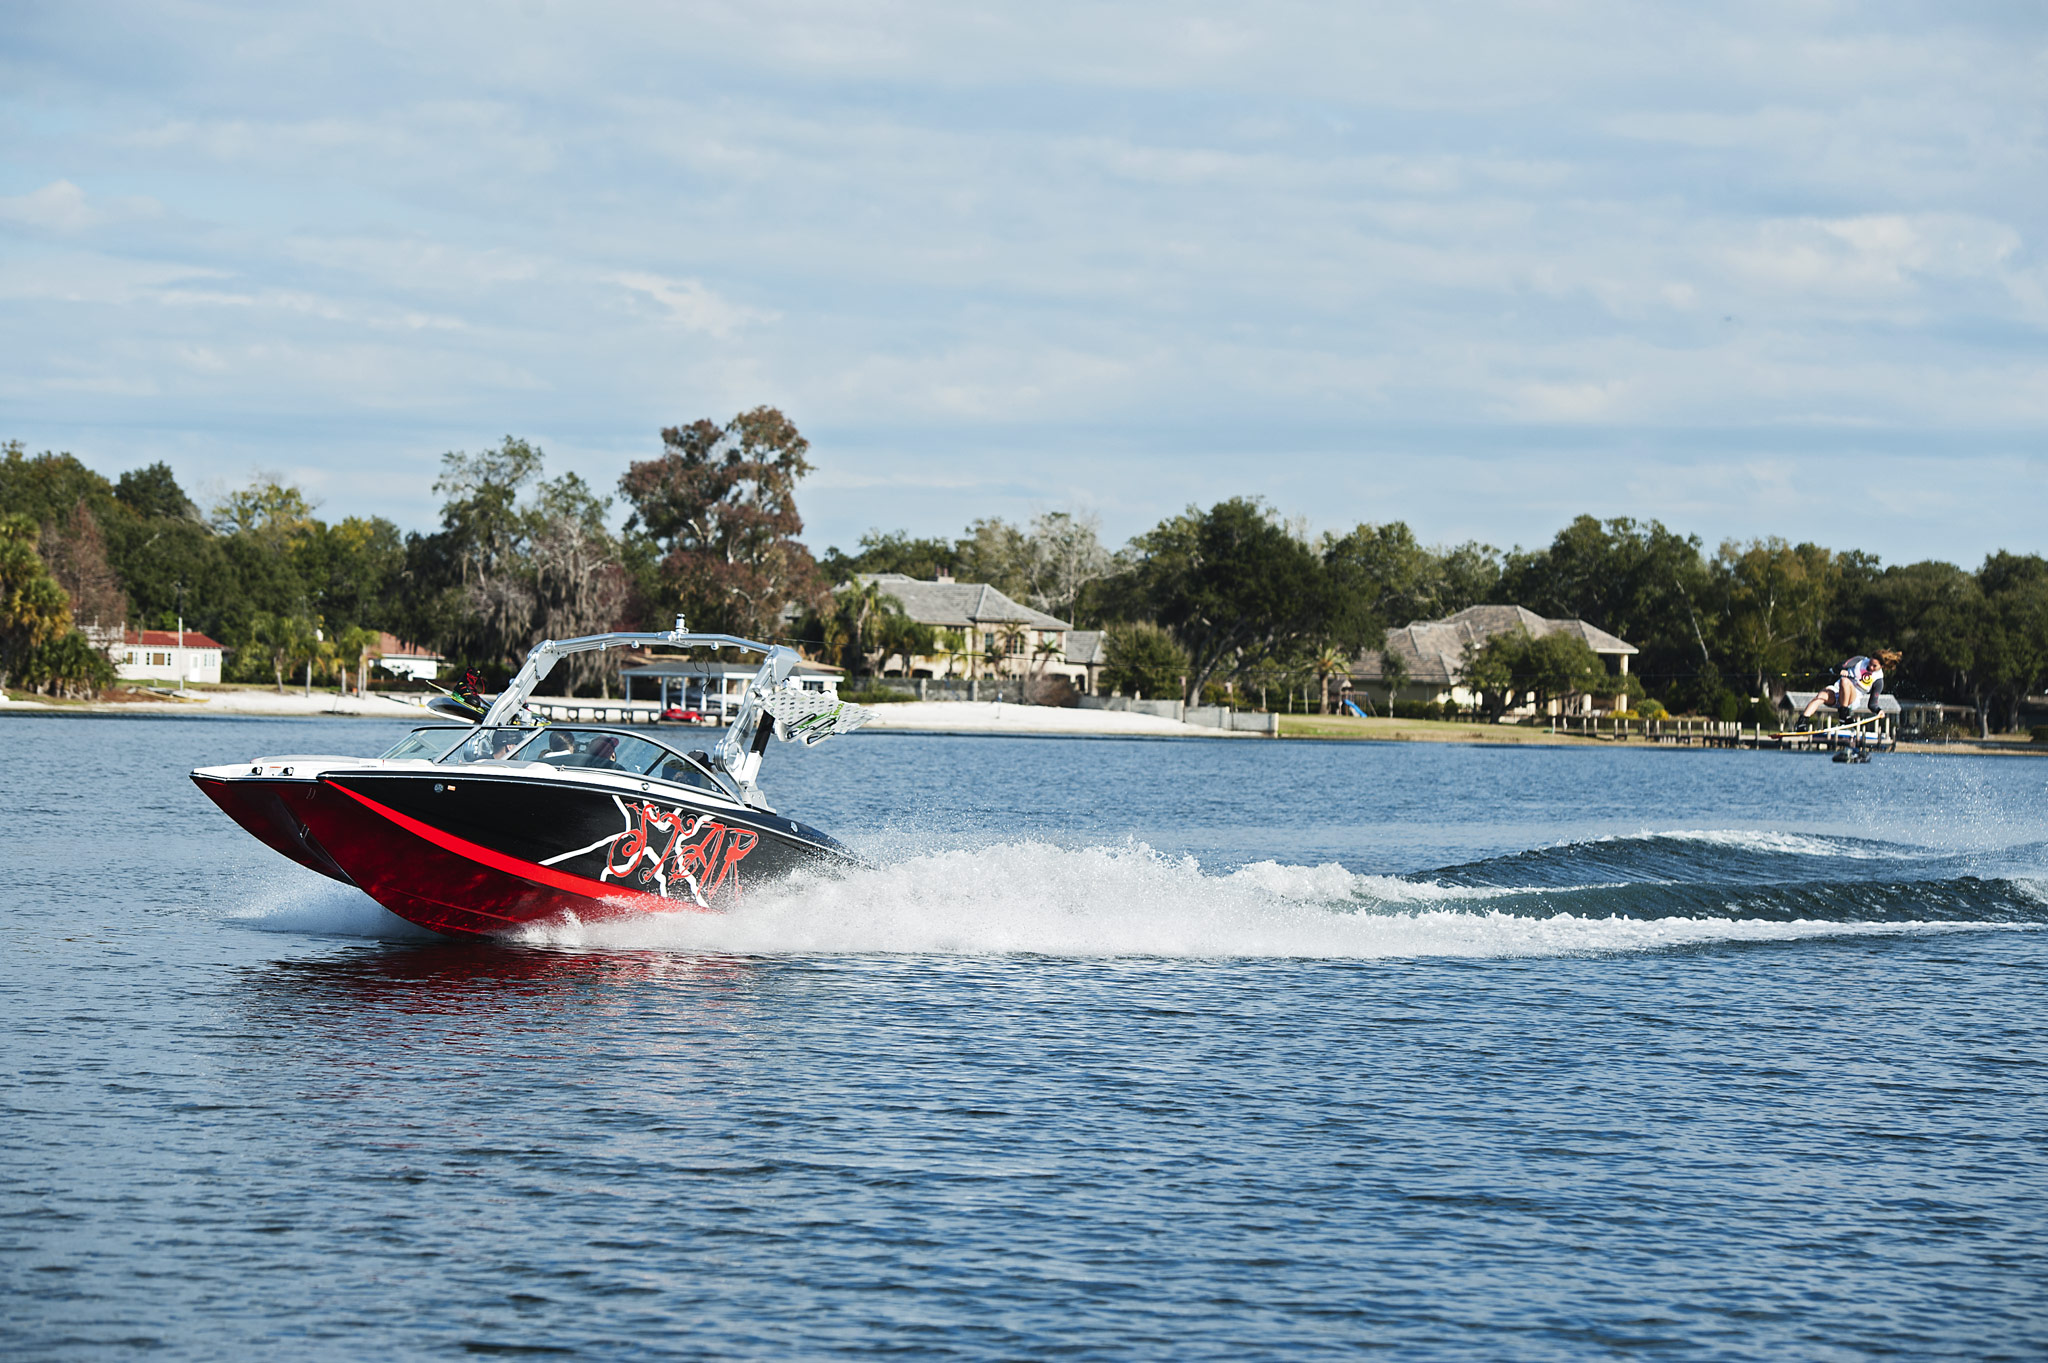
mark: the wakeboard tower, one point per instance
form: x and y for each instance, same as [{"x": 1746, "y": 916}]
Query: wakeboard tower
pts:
[{"x": 501, "y": 819}]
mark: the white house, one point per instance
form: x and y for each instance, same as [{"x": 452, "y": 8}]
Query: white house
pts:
[
  {"x": 405, "y": 660},
  {"x": 180, "y": 655},
  {"x": 714, "y": 687}
]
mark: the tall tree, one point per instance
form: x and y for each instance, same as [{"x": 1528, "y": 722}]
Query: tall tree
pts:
[
  {"x": 276, "y": 513},
  {"x": 1394, "y": 579},
  {"x": 153, "y": 491},
  {"x": 351, "y": 571},
  {"x": 1777, "y": 597},
  {"x": 1236, "y": 589},
  {"x": 2015, "y": 590},
  {"x": 1065, "y": 555},
  {"x": 33, "y": 611},
  {"x": 998, "y": 553},
  {"x": 76, "y": 553},
  {"x": 720, "y": 503},
  {"x": 1634, "y": 579},
  {"x": 45, "y": 487},
  {"x": 579, "y": 585},
  {"x": 892, "y": 551},
  {"x": 485, "y": 606},
  {"x": 1935, "y": 615}
]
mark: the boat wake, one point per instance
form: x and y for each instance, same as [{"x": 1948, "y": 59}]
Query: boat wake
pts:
[
  {"x": 1037, "y": 898},
  {"x": 1648, "y": 892}
]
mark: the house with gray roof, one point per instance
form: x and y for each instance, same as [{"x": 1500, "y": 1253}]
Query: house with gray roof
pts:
[
  {"x": 983, "y": 633},
  {"x": 1086, "y": 650},
  {"x": 1433, "y": 652}
]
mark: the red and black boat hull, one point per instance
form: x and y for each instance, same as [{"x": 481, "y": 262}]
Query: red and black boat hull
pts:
[{"x": 466, "y": 853}]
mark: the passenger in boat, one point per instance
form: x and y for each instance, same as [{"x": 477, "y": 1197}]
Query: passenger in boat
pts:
[
  {"x": 561, "y": 748},
  {"x": 1860, "y": 683},
  {"x": 600, "y": 754}
]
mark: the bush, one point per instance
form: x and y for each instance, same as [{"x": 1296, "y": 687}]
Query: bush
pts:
[
  {"x": 1215, "y": 693},
  {"x": 1055, "y": 691},
  {"x": 2040, "y": 732},
  {"x": 67, "y": 667},
  {"x": 1650, "y": 708},
  {"x": 1143, "y": 660},
  {"x": 1727, "y": 708},
  {"x": 1418, "y": 709}
]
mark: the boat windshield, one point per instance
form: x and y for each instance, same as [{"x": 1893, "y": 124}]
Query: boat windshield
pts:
[
  {"x": 589, "y": 749},
  {"x": 489, "y": 745},
  {"x": 425, "y": 743}
]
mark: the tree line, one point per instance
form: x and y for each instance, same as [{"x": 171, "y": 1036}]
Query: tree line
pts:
[{"x": 1230, "y": 599}]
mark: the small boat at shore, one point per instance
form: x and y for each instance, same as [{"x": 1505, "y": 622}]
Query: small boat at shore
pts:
[{"x": 501, "y": 819}]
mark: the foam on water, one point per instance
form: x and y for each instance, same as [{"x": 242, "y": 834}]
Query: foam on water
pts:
[
  {"x": 1781, "y": 844},
  {"x": 1036, "y": 898},
  {"x": 326, "y": 908}
]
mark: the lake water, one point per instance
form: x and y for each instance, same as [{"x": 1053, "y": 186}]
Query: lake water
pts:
[{"x": 1148, "y": 1050}]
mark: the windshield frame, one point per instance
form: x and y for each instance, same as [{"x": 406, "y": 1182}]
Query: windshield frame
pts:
[
  {"x": 455, "y": 732},
  {"x": 719, "y": 783}
]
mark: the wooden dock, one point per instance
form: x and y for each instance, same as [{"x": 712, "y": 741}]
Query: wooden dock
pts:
[{"x": 1703, "y": 733}]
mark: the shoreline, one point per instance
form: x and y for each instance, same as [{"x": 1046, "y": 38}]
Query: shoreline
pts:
[
  {"x": 960, "y": 717},
  {"x": 232, "y": 701},
  {"x": 940, "y": 717},
  {"x": 1346, "y": 729}
]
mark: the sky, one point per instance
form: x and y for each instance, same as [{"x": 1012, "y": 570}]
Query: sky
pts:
[{"x": 1749, "y": 269}]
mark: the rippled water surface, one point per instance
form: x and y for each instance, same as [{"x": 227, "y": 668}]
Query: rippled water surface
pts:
[{"x": 1157, "y": 1050}]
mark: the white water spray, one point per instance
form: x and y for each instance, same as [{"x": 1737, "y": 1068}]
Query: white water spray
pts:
[{"x": 1035, "y": 898}]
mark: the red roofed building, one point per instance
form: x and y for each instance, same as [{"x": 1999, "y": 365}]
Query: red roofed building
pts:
[
  {"x": 174, "y": 655},
  {"x": 406, "y": 660}
]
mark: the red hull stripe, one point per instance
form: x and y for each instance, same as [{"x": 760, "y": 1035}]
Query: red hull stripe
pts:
[{"x": 513, "y": 866}]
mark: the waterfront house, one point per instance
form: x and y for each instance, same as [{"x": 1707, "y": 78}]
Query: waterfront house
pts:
[
  {"x": 1433, "y": 654},
  {"x": 180, "y": 655},
  {"x": 713, "y": 686},
  {"x": 983, "y": 633},
  {"x": 402, "y": 659}
]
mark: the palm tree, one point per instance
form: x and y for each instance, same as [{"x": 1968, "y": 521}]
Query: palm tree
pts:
[
  {"x": 856, "y": 608},
  {"x": 1328, "y": 664},
  {"x": 285, "y": 640},
  {"x": 1393, "y": 671},
  {"x": 951, "y": 644},
  {"x": 897, "y": 634},
  {"x": 352, "y": 647},
  {"x": 1011, "y": 640},
  {"x": 1046, "y": 652}
]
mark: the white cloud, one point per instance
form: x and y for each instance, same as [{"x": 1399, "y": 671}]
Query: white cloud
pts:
[
  {"x": 1876, "y": 255},
  {"x": 690, "y": 305},
  {"x": 62, "y": 207}
]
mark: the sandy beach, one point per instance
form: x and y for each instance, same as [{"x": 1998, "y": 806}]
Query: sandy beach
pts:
[
  {"x": 996, "y": 717},
  {"x": 229, "y": 701}
]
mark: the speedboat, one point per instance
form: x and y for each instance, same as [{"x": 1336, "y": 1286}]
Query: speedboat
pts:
[{"x": 501, "y": 819}]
